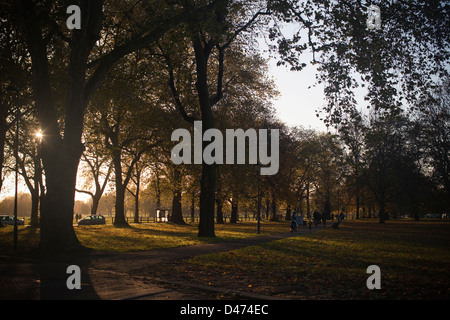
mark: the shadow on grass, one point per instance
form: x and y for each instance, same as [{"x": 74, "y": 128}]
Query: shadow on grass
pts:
[
  {"x": 27, "y": 239},
  {"x": 331, "y": 264}
]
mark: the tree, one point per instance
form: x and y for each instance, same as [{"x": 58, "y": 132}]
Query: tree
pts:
[
  {"x": 82, "y": 58},
  {"x": 177, "y": 213},
  {"x": 129, "y": 125},
  {"x": 29, "y": 165},
  {"x": 99, "y": 169},
  {"x": 433, "y": 116},
  {"x": 209, "y": 38},
  {"x": 396, "y": 62},
  {"x": 13, "y": 80},
  {"x": 393, "y": 64},
  {"x": 351, "y": 133},
  {"x": 304, "y": 150},
  {"x": 385, "y": 148},
  {"x": 4, "y": 127},
  {"x": 85, "y": 56},
  {"x": 329, "y": 166},
  {"x": 137, "y": 177}
]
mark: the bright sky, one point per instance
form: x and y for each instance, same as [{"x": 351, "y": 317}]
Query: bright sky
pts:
[{"x": 296, "y": 104}]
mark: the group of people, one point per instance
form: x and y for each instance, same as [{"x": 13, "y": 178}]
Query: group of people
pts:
[{"x": 317, "y": 217}]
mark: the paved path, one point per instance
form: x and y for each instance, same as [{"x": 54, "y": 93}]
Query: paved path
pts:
[{"x": 111, "y": 276}]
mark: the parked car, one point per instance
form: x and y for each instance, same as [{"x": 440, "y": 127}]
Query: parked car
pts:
[
  {"x": 9, "y": 220},
  {"x": 433, "y": 215},
  {"x": 91, "y": 220}
]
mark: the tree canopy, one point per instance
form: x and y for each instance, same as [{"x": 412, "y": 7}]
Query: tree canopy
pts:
[{"x": 109, "y": 94}]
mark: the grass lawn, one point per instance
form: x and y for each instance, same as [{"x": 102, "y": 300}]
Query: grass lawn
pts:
[
  {"x": 141, "y": 237},
  {"x": 414, "y": 258},
  {"x": 148, "y": 236}
]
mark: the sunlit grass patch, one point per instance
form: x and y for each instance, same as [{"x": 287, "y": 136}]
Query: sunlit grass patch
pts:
[
  {"x": 249, "y": 229},
  {"x": 148, "y": 236},
  {"x": 136, "y": 237},
  {"x": 142, "y": 236}
]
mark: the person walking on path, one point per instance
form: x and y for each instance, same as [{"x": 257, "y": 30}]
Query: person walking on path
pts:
[
  {"x": 316, "y": 217},
  {"x": 294, "y": 223}
]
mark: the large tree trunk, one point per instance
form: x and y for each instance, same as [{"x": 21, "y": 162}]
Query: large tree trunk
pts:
[
  {"x": 34, "y": 216},
  {"x": 60, "y": 158},
  {"x": 234, "y": 212},
  {"x": 61, "y": 152},
  {"x": 219, "y": 211},
  {"x": 177, "y": 213},
  {"x": 208, "y": 179},
  {"x": 95, "y": 202},
  {"x": 119, "y": 218},
  {"x": 57, "y": 205},
  {"x": 207, "y": 199},
  {"x": 136, "y": 201}
]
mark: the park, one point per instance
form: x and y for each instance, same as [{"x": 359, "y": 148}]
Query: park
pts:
[
  {"x": 320, "y": 263},
  {"x": 224, "y": 150}
]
